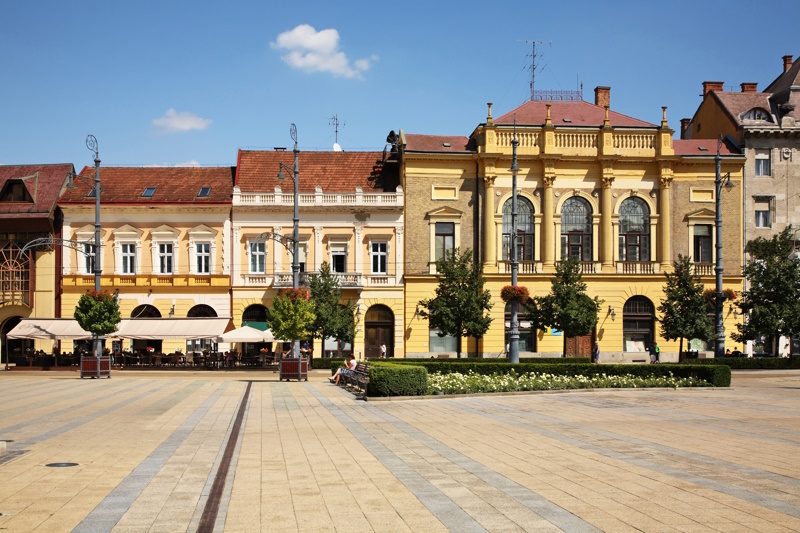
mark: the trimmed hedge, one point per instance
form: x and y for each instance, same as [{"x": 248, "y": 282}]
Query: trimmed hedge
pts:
[
  {"x": 321, "y": 363},
  {"x": 716, "y": 375},
  {"x": 753, "y": 363},
  {"x": 495, "y": 360},
  {"x": 387, "y": 379}
]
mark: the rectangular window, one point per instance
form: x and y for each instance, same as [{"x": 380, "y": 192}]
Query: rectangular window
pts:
[
  {"x": 339, "y": 257},
  {"x": 763, "y": 163},
  {"x": 379, "y": 256},
  {"x": 441, "y": 344},
  {"x": 203, "y": 256},
  {"x": 301, "y": 256},
  {"x": 88, "y": 253},
  {"x": 702, "y": 243},
  {"x": 165, "y": 259},
  {"x": 129, "y": 259},
  {"x": 445, "y": 239},
  {"x": 762, "y": 206},
  {"x": 258, "y": 257}
]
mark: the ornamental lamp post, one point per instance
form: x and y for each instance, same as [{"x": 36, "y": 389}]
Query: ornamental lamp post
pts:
[
  {"x": 295, "y": 221},
  {"x": 91, "y": 144},
  {"x": 719, "y": 336},
  {"x": 513, "y": 352}
]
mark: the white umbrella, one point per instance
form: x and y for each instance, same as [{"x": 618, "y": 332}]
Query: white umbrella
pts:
[
  {"x": 242, "y": 334},
  {"x": 267, "y": 336}
]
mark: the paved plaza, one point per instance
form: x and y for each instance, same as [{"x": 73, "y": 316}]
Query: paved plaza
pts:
[{"x": 242, "y": 451}]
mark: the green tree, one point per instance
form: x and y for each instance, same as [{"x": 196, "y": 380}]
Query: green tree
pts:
[
  {"x": 772, "y": 302},
  {"x": 461, "y": 305},
  {"x": 567, "y": 308},
  {"x": 684, "y": 310},
  {"x": 98, "y": 313},
  {"x": 292, "y": 315},
  {"x": 333, "y": 319}
]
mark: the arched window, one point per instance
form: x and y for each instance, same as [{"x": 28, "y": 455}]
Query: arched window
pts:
[
  {"x": 524, "y": 230},
  {"x": 634, "y": 230},
  {"x": 146, "y": 311},
  {"x": 255, "y": 316},
  {"x": 201, "y": 311},
  {"x": 757, "y": 113},
  {"x": 638, "y": 316},
  {"x": 527, "y": 334},
  {"x": 576, "y": 229},
  {"x": 14, "y": 275}
]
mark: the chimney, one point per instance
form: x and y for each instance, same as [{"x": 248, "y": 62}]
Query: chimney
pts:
[
  {"x": 787, "y": 62},
  {"x": 709, "y": 86},
  {"x": 684, "y": 127},
  {"x": 749, "y": 87},
  {"x": 602, "y": 96}
]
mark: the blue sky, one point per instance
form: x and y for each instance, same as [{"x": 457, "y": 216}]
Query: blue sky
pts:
[{"x": 170, "y": 83}]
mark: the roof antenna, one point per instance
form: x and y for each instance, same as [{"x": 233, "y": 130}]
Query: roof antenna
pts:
[
  {"x": 533, "y": 66},
  {"x": 334, "y": 121}
]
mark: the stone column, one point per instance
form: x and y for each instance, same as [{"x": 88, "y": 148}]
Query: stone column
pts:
[
  {"x": 398, "y": 254},
  {"x": 359, "y": 251},
  {"x": 605, "y": 220},
  {"x": 664, "y": 218},
  {"x": 548, "y": 237},
  {"x": 489, "y": 231},
  {"x": 319, "y": 252},
  {"x": 277, "y": 251}
]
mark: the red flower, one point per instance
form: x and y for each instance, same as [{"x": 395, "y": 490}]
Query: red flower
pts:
[{"x": 519, "y": 293}]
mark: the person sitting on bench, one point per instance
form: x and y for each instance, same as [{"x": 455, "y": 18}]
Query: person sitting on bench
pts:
[{"x": 351, "y": 366}]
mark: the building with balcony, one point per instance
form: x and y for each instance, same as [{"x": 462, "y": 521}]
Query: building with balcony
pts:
[
  {"x": 766, "y": 124},
  {"x": 29, "y": 280},
  {"x": 166, "y": 243},
  {"x": 351, "y": 216},
  {"x": 614, "y": 192}
]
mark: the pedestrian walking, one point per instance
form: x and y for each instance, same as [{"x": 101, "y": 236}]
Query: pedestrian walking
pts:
[
  {"x": 655, "y": 353},
  {"x": 596, "y": 353}
]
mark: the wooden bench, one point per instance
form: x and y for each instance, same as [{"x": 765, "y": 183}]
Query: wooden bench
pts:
[{"x": 358, "y": 379}]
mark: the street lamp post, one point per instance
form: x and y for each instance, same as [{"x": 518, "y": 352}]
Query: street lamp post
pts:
[
  {"x": 91, "y": 144},
  {"x": 513, "y": 352},
  {"x": 295, "y": 221},
  {"x": 719, "y": 337}
]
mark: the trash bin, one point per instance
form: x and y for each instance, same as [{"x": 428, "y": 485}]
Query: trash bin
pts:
[{"x": 292, "y": 368}]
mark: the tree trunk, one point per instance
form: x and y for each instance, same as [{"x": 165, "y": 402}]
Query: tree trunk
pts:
[
  {"x": 458, "y": 347},
  {"x": 563, "y": 345},
  {"x": 680, "y": 351}
]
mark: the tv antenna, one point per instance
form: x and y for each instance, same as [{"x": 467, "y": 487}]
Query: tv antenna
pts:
[
  {"x": 334, "y": 121},
  {"x": 533, "y": 68}
]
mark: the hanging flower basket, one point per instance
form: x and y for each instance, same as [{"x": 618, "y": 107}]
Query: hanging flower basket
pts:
[
  {"x": 710, "y": 294},
  {"x": 295, "y": 294},
  {"x": 519, "y": 293}
]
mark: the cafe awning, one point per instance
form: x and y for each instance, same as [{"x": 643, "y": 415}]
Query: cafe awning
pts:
[
  {"x": 48, "y": 328},
  {"x": 173, "y": 328}
]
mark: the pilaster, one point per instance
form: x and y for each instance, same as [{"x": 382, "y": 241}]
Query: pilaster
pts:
[{"x": 489, "y": 233}]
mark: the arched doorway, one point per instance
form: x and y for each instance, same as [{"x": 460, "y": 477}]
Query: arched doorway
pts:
[
  {"x": 13, "y": 350},
  {"x": 255, "y": 316},
  {"x": 378, "y": 330},
  {"x": 143, "y": 345},
  {"x": 195, "y": 345},
  {"x": 638, "y": 317}
]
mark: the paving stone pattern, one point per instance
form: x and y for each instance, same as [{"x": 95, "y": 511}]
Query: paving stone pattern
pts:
[{"x": 310, "y": 457}]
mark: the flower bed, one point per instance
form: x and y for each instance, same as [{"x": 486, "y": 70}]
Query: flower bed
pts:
[{"x": 458, "y": 383}]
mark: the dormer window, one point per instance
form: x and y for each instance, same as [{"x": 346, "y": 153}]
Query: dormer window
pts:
[
  {"x": 15, "y": 191},
  {"x": 91, "y": 193},
  {"x": 205, "y": 192},
  {"x": 758, "y": 114},
  {"x": 148, "y": 192}
]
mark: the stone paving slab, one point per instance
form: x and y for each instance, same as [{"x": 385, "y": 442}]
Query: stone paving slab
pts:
[{"x": 310, "y": 457}]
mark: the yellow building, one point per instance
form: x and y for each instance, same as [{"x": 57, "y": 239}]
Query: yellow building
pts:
[
  {"x": 166, "y": 244},
  {"x": 617, "y": 193},
  {"x": 350, "y": 216},
  {"x": 29, "y": 280}
]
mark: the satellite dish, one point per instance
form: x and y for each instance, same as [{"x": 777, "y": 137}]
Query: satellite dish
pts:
[{"x": 337, "y": 148}]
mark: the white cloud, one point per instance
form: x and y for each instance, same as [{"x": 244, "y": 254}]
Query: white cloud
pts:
[
  {"x": 172, "y": 121},
  {"x": 318, "y": 51}
]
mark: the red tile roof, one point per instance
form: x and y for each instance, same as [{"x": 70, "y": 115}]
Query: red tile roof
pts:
[
  {"x": 785, "y": 80},
  {"x": 332, "y": 171},
  {"x": 44, "y": 184},
  {"x": 174, "y": 185},
  {"x": 438, "y": 143},
  {"x": 737, "y": 103},
  {"x": 578, "y": 114},
  {"x": 703, "y": 147}
]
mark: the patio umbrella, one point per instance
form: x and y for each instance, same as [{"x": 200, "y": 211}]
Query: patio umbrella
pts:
[
  {"x": 242, "y": 334},
  {"x": 267, "y": 336}
]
